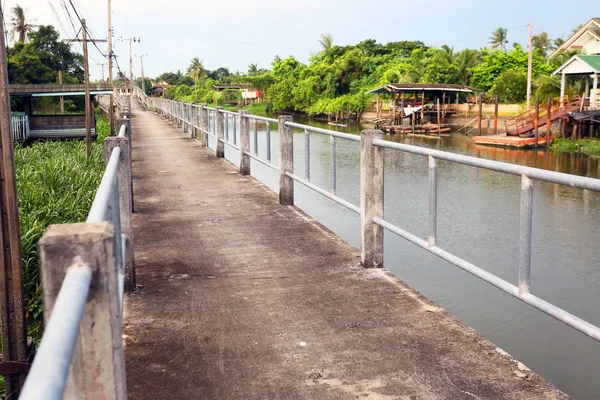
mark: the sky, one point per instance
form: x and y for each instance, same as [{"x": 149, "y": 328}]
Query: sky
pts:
[{"x": 237, "y": 33}]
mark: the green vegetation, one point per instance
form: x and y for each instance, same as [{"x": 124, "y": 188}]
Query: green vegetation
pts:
[
  {"x": 56, "y": 185},
  {"x": 589, "y": 146},
  {"x": 336, "y": 79}
]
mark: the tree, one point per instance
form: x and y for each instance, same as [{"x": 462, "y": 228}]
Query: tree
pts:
[
  {"x": 498, "y": 39},
  {"x": 542, "y": 44},
  {"x": 40, "y": 59},
  {"x": 19, "y": 25},
  {"x": 252, "y": 69},
  {"x": 467, "y": 60},
  {"x": 511, "y": 86},
  {"x": 195, "y": 71},
  {"x": 326, "y": 41}
]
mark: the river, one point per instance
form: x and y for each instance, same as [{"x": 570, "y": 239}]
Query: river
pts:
[{"x": 478, "y": 220}]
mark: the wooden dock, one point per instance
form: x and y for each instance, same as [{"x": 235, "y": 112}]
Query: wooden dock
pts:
[{"x": 510, "y": 141}]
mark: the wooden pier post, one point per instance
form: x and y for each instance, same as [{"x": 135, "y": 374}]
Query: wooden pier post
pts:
[
  {"x": 286, "y": 160},
  {"x": 422, "y": 106},
  {"x": 401, "y": 108},
  {"x": 244, "y": 143},
  {"x": 480, "y": 114},
  {"x": 496, "y": 115},
  {"x": 220, "y": 132},
  {"x": 536, "y": 122},
  {"x": 438, "y": 117},
  {"x": 371, "y": 199},
  {"x": 548, "y": 121}
]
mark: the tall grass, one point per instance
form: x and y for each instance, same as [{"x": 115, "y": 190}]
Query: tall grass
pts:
[{"x": 56, "y": 184}]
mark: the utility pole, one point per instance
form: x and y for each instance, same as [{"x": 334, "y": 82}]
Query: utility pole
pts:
[
  {"x": 62, "y": 99},
  {"x": 12, "y": 309},
  {"x": 131, "y": 41},
  {"x": 86, "y": 79},
  {"x": 110, "y": 70},
  {"x": 530, "y": 65},
  {"x": 102, "y": 64},
  {"x": 143, "y": 78}
]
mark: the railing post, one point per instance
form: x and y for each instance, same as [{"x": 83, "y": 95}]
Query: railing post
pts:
[
  {"x": 371, "y": 199},
  {"x": 244, "y": 143},
  {"x": 98, "y": 366},
  {"x": 124, "y": 177},
  {"x": 220, "y": 132},
  {"x": 286, "y": 160},
  {"x": 204, "y": 124},
  {"x": 525, "y": 234},
  {"x": 194, "y": 118}
]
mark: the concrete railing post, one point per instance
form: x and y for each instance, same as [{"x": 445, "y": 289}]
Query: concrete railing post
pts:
[
  {"x": 244, "y": 143},
  {"x": 194, "y": 113},
  {"x": 286, "y": 160},
  {"x": 371, "y": 199},
  {"x": 98, "y": 366},
  {"x": 124, "y": 178},
  {"x": 204, "y": 124},
  {"x": 220, "y": 132}
]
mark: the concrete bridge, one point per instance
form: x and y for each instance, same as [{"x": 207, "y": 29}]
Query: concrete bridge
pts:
[
  {"x": 243, "y": 298},
  {"x": 240, "y": 294}
]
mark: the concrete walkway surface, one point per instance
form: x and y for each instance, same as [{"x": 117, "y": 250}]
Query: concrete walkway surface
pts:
[{"x": 242, "y": 298}]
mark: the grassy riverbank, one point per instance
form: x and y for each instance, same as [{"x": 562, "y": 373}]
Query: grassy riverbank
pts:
[
  {"x": 591, "y": 147},
  {"x": 56, "y": 184}
]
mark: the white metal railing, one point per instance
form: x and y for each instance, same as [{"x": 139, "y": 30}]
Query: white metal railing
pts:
[
  {"x": 87, "y": 292},
  {"x": 20, "y": 127},
  {"x": 371, "y": 203}
]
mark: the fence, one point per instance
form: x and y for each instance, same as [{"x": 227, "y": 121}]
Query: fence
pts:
[
  {"x": 207, "y": 121},
  {"x": 85, "y": 269},
  {"x": 20, "y": 127}
]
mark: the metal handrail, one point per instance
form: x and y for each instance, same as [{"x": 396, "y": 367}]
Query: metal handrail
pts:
[
  {"x": 47, "y": 378},
  {"x": 527, "y": 174},
  {"x": 60, "y": 336}
]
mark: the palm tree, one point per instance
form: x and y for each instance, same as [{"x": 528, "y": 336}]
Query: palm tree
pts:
[
  {"x": 543, "y": 43},
  {"x": 498, "y": 39},
  {"x": 326, "y": 41},
  {"x": 195, "y": 70},
  {"x": 558, "y": 42},
  {"x": 449, "y": 53},
  {"x": 19, "y": 26},
  {"x": 546, "y": 86},
  {"x": 252, "y": 69},
  {"x": 467, "y": 59}
]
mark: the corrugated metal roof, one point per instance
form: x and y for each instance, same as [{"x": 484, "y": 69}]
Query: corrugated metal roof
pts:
[
  {"x": 421, "y": 87},
  {"x": 16, "y": 89},
  {"x": 591, "y": 60}
]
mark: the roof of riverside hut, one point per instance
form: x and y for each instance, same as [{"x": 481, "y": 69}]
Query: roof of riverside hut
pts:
[
  {"x": 420, "y": 87},
  {"x": 580, "y": 65}
]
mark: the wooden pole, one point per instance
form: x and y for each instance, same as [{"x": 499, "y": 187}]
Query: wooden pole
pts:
[
  {"x": 62, "y": 99},
  {"x": 12, "y": 310},
  {"x": 496, "y": 116},
  {"x": 549, "y": 120},
  {"x": 529, "y": 66},
  {"x": 401, "y": 107},
  {"x": 394, "y": 108},
  {"x": 444, "y": 103},
  {"x": 86, "y": 79},
  {"x": 438, "y": 116},
  {"x": 480, "y": 114},
  {"x": 423, "y": 106},
  {"x": 536, "y": 122}
]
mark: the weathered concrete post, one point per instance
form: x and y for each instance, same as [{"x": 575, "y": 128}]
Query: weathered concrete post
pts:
[
  {"x": 286, "y": 160},
  {"x": 194, "y": 114},
  {"x": 220, "y": 132},
  {"x": 98, "y": 367},
  {"x": 124, "y": 178},
  {"x": 204, "y": 124},
  {"x": 371, "y": 199},
  {"x": 244, "y": 143}
]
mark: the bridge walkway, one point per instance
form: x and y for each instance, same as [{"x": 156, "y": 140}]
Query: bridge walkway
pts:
[{"x": 242, "y": 298}]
